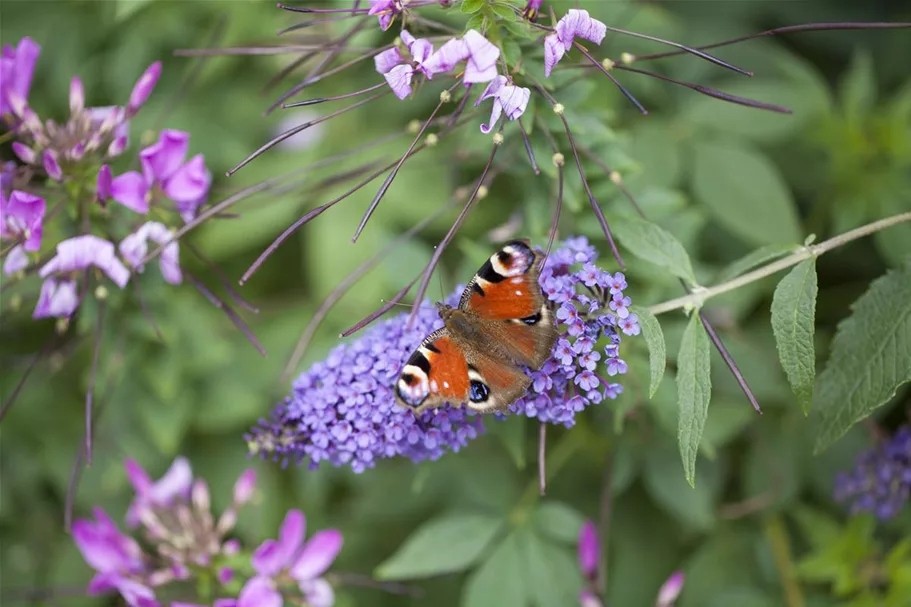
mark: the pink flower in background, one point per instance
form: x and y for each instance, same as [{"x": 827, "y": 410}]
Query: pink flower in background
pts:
[
  {"x": 82, "y": 252},
  {"x": 58, "y": 299},
  {"x": 16, "y": 68},
  {"x": 670, "y": 590},
  {"x": 22, "y": 218},
  {"x": 134, "y": 248},
  {"x": 479, "y": 54},
  {"x": 175, "y": 484}
]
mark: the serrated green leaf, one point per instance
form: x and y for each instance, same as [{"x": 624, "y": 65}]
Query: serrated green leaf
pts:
[
  {"x": 756, "y": 258},
  {"x": 694, "y": 388},
  {"x": 472, "y": 6},
  {"x": 871, "y": 357},
  {"x": 558, "y": 521},
  {"x": 794, "y": 325},
  {"x": 500, "y": 580},
  {"x": 745, "y": 192},
  {"x": 654, "y": 244},
  {"x": 476, "y": 22},
  {"x": 448, "y": 543},
  {"x": 657, "y": 350}
]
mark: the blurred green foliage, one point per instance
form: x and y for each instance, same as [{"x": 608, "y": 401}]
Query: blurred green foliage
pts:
[{"x": 759, "y": 525}]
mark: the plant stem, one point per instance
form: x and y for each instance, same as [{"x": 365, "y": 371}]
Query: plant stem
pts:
[{"x": 699, "y": 296}]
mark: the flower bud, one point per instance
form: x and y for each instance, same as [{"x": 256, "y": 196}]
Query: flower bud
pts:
[
  {"x": 670, "y": 590},
  {"x": 144, "y": 87},
  {"x": 77, "y": 95},
  {"x": 25, "y": 153},
  {"x": 51, "y": 166},
  {"x": 244, "y": 487},
  {"x": 559, "y": 109},
  {"x": 103, "y": 184}
]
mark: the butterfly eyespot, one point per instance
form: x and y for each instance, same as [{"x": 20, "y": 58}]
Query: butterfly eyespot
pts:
[
  {"x": 479, "y": 392},
  {"x": 532, "y": 320},
  {"x": 412, "y": 387}
]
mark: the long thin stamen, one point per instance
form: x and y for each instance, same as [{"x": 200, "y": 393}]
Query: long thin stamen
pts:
[
  {"x": 291, "y": 132},
  {"x": 145, "y": 309},
  {"x": 343, "y": 287},
  {"x": 387, "y": 305},
  {"x": 438, "y": 252},
  {"x": 705, "y": 90},
  {"x": 25, "y": 374},
  {"x": 728, "y": 359},
  {"x": 283, "y": 49},
  {"x": 683, "y": 49},
  {"x": 806, "y": 27},
  {"x": 528, "y": 151},
  {"x": 302, "y": 9},
  {"x": 90, "y": 393},
  {"x": 616, "y": 82},
  {"x": 286, "y": 106},
  {"x": 316, "y": 74},
  {"x": 612, "y": 175},
  {"x": 591, "y": 197},
  {"x": 225, "y": 282},
  {"x": 306, "y": 24},
  {"x": 395, "y": 171},
  {"x": 320, "y": 209},
  {"x": 229, "y": 312},
  {"x": 555, "y": 222}
]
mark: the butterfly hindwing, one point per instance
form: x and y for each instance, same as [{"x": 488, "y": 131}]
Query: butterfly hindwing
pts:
[
  {"x": 494, "y": 384},
  {"x": 436, "y": 373},
  {"x": 506, "y": 298}
]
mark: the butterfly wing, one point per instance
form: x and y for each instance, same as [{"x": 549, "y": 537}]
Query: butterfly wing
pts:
[
  {"x": 495, "y": 384},
  {"x": 506, "y": 298},
  {"x": 436, "y": 373}
]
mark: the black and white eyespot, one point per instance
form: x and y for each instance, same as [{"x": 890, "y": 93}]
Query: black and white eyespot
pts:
[
  {"x": 413, "y": 386},
  {"x": 514, "y": 259},
  {"x": 478, "y": 392}
]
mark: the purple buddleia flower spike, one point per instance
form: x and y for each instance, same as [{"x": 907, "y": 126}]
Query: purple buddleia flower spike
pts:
[
  {"x": 881, "y": 479},
  {"x": 342, "y": 409}
]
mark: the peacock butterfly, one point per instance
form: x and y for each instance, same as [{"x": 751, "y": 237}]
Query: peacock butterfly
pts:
[{"x": 502, "y": 324}]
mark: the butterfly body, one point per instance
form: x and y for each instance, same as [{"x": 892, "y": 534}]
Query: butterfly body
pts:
[{"x": 501, "y": 325}]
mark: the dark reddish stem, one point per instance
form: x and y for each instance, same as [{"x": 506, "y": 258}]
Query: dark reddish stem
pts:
[
  {"x": 225, "y": 282},
  {"x": 556, "y": 220},
  {"x": 616, "y": 82},
  {"x": 25, "y": 375},
  {"x": 528, "y": 151},
  {"x": 301, "y": 9},
  {"x": 387, "y": 305},
  {"x": 542, "y": 458},
  {"x": 728, "y": 360}
]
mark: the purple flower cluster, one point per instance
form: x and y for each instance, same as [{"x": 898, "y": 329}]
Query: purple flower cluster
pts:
[
  {"x": 72, "y": 153},
  {"x": 590, "y": 305},
  {"x": 342, "y": 409},
  {"x": 881, "y": 479},
  {"x": 175, "y": 519}
]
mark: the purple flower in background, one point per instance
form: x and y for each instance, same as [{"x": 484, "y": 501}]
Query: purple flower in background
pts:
[
  {"x": 174, "y": 485},
  {"x": 342, "y": 409},
  {"x": 21, "y": 218},
  {"x": 589, "y": 550},
  {"x": 16, "y": 68},
  {"x": 143, "y": 88},
  {"x": 670, "y": 590},
  {"x": 385, "y": 11},
  {"x": 58, "y": 299},
  {"x": 16, "y": 260},
  {"x": 576, "y": 22},
  {"x": 82, "y": 252},
  {"x": 52, "y": 165},
  {"x": 881, "y": 479},
  {"x": 507, "y": 98},
  {"x": 304, "y": 562},
  {"x": 399, "y": 74},
  {"x": 134, "y": 248},
  {"x": 118, "y": 560}
]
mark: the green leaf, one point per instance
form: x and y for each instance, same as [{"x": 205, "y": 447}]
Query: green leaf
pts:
[
  {"x": 550, "y": 571},
  {"x": 448, "y": 543},
  {"x": 511, "y": 434},
  {"x": 871, "y": 357},
  {"x": 503, "y": 12},
  {"x": 794, "y": 325},
  {"x": 654, "y": 244},
  {"x": 694, "y": 388},
  {"x": 500, "y": 580},
  {"x": 558, "y": 521},
  {"x": 476, "y": 22},
  {"x": 745, "y": 192},
  {"x": 657, "y": 350},
  {"x": 857, "y": 89},
  {"x": 694, "y": 507},
  {"x": 472, "y": 6},
  {"x": 758, "y": 257}
]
